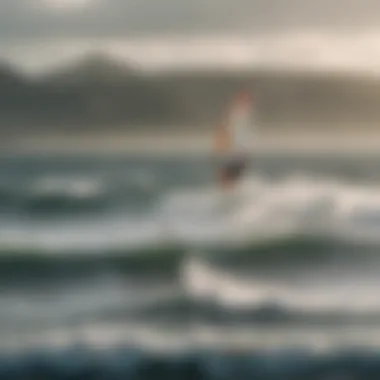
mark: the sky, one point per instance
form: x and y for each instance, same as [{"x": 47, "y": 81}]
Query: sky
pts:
[{"x": 161, "y": 33}]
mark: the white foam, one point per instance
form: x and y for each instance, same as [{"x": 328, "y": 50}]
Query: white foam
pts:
[
  {"x": 78, "y": 187},
  {"x": 151, "y": 338},
  {"x": 257, "y": 211},
  {"x": 82, "y": 236},
  {"x": 309, "y": 291}
]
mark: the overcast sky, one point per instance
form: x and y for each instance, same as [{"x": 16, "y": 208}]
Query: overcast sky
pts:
[
  {"x": 98, "y": 18},
  {"x": 25, "y": 24}
]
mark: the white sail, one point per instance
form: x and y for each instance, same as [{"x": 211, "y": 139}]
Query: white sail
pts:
[{"x": 240, "y": 124}]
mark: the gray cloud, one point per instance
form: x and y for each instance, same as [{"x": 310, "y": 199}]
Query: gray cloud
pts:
[{"x": 123, "y": 18}]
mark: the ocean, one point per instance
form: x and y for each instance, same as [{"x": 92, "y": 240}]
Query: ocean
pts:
[{"x": 137, "y": 266}]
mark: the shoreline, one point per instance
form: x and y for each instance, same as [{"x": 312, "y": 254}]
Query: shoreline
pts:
[{"x": 165, "y": 142}]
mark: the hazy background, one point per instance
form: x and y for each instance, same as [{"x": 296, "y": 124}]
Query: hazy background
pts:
[{"x": 85, "y": 65}]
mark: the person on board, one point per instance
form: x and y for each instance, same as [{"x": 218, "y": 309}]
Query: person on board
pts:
[{"x": 233, "y": 140}]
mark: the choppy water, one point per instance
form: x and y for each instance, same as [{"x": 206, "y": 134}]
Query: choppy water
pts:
[{"x": 110, "y": 252}]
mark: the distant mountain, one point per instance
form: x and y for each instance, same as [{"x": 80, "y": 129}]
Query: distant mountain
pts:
[
  {"x": 10, "y": 77},
  {"x": 102, "y": 92},
  {"x": 94, "y": 68}
]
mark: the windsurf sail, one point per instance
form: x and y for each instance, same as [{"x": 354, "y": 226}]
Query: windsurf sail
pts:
[
  {"x": 233, "y": 141},
  {"x": 234, "y": 134}
]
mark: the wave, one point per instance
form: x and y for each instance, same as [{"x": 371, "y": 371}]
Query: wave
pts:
[
  {"x": 297, "y": 204},
  {"x": 297, "y": 280},
  {"x": 60, "y": 194},
  {"x": 267, "y": 314},
  {"x": 68, "y": 194},
  {"x": 270, "y": 251},
  {"x": 267, "y": 250},
  {"x": 296, "y": 285},
  {"x": 130, "y": 362},
  {"x": 262, "y": 209},
  {"x": 44, "y": 266},
  {"x": 151, "y": 249}
]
